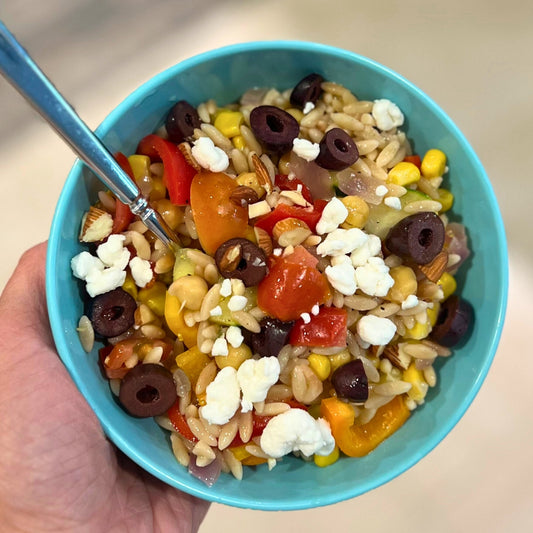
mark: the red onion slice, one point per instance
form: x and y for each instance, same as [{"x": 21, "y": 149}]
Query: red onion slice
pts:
[{"x": 207, "y": 474}]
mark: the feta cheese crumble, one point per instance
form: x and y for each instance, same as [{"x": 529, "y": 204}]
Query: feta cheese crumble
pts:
[
  {"x": 342, "y": 241},
  {"x": 223, "y": 397},
  {"x": 237, "y": 303},
  {"x": 381, "y": 190},
  {"x": 394, "y": 202},
  {"x": 112, "y": 252},
  {"x": 387, "y": 114},
  {"x": 373, "y": 278},
  {"x": 370, "y": 248},
  {"x": 296, "y": 430},
  {"x": 255, "y": 377},
  {"x": 225, "y": 288},
  {"x": 410, "y": 302},
  {"x": 234, "y": 336},
  {"x": 209, "y": 156},
  {"x": 220, "y": 347},
  {"x": 341, "y": 275},
  {"x": 141, "y": 271},
  {"x": 334, "y": 214},
  {"x": 308, "y": 107},
  {"x": 305, "y": 149},
  {"x": 376, "y": 330}
]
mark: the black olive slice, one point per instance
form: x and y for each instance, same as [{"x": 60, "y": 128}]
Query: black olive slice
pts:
[
  {"x": 350, "y": 381},
  {"x": 273, "y": 127},
  {"x": 307, "y": 90},
  {"x": 112, "y": 313},
  {"x": 453, "y": 321},
  {"x": 274, "y": 335},
  {"x": 419, "y": 237},
  {"x": 337, "y": 150},
  {"x": 181, "y": 121},
  {"x": 241, "y": 259},
  {"x": 147, "y": 390}
]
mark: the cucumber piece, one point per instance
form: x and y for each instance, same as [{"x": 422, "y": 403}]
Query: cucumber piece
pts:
[
  {"x": 381, "y": 219},
  {"x": 413, "y": 196},
  {"x": 226, "y": 318},
  {"x": 183, "y": 265}
]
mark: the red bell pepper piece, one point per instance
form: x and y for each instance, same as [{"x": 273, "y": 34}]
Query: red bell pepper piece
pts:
[
  {"x": 415, "y": 159},
  {"x": 123, "y": 215},
  {"x": 180, "y": 422},
  {"x": 292, "y": 286},
  {"x": 309, "y": 215},
  {"x": 286, "y": 184},
  {"x": 177, "y": 173},
  {"x": 328, "y": 328}
]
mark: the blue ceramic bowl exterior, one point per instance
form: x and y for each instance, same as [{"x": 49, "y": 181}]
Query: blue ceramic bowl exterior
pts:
[{"x": 224, "y": 74}]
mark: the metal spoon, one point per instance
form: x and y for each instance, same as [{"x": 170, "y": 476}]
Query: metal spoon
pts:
[{"x": 22, "y": 72}]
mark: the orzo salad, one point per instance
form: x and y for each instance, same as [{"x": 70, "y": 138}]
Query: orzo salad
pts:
[{"x": 312, "y": 291}]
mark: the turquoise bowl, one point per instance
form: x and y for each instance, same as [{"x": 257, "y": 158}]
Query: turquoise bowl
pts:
[{"x": 224, "y": 74}]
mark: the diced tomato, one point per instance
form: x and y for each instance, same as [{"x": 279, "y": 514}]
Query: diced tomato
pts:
[
  {"x": 180, "y": 423},
  {"x": 292, "y": 287},
  {"x": 415, "y": 159},
  {"x": 309, "y": 215},
  {"x": 123, "y": 215},
  {"x": 177, "y": 173},
  {"x": 293, "y": 184},
  {"x": 328, "y": 328},
  {"x": 259, "y": 424}
]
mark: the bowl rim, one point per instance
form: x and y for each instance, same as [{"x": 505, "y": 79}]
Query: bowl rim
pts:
[{"x": 55, "y": 237}]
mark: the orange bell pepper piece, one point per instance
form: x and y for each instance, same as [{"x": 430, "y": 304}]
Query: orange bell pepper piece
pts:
[
  {"x": 176, "y": 323},
  {"x": 246, "y": 458},
  {"x": 358, "y": 441},
  {"x": 192, "y": 362}
]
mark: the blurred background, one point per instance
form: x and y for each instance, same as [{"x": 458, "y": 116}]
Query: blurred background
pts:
[{"x": 473, "y": 57}]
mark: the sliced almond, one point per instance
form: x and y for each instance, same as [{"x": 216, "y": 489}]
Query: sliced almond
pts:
[
  {"x": 434, "y": 270},
  {"x": 288, "y": 224},
  {"x": 262, "y": 174},
  {"x": 295, "y": 197},
  {"x": 97, "y": 225},
  {"x": 263, "y": 240},
  {"x": 398, "y": 358},
  {"x": 186, "y": 150},
  {"x": 258, "y": 209}
]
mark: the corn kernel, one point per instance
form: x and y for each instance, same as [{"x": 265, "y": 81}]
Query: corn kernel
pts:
[
  {"x": 140, "y": 165},
  {"x": 229, "y": 123},
  {"x": 448, "y": 284},
  {"x": 403, "y": 174},
  {"x": 433, "y": 313},
  {"x": 249, "y": 179},
  {"x": 296, "y": 113},
  {"x": 320, "y": 365},
  {"x": 339, "y": 359},
  {"x": 405, "y": 283},
  {"x": 445, "y": 199},
  {"x": 433, "y": 164},
  {"x": 358, "y": 211},
  {"x": 419, "y": 386},
  {"x": 326, "y": 460},
  {"x": 418, "y": 331},
  {"x": 239, "y": 142}
]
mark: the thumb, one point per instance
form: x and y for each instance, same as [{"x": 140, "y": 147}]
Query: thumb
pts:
[{"x": 23, "y": 309}]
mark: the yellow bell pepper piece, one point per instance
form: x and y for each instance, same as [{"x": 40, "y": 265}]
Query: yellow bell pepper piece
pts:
[
  {"x": 176, "y": 324},
  {"x": 140, "y": 165},
  {"x": 154, "y": 297},
  {"x": 358, "y": 441},
  {"x": 229, "y": 122},
  {"x": 192, "y": 362},
  {"x": 129, "y": 286},
  {"x": 245, "y": 457},
  {"x": 433, "y": 164},
  {"x": 326, "y": 460},
  {"x": 419, "y": 387},
  {"x": 404, "y": 173},
  {"x": 339, "y": 359}
]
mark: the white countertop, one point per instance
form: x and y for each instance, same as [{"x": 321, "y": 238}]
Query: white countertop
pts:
[{"x": 473, "y": 58}]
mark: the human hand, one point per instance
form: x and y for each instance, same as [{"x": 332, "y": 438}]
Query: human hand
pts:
[{"x": 58, "y": 472}]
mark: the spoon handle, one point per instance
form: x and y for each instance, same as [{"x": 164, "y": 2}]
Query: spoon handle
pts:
[{"x": 22, "y": 72}]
